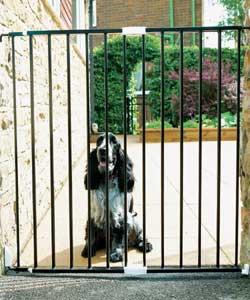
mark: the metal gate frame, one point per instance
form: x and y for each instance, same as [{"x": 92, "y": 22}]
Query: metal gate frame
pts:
[{"x": 142, "y": 32}]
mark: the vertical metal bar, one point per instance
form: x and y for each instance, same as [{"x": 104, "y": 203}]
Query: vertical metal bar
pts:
[
  {"x": 125, "y": 150},
  {"x": 91, "y": 61},
  {"x": 162, "y": 151},
  {"x": 88, "y": 149},
  {"x": 237, "y": 149},
  {"x": 52, "y": 190},
  {"x": 143, "y": 152},
  {"x": 33, "y": 151},
  {"x": 69, "y": 154},
  {"x": 107, "y": 150},
  {"x": 218, "y": 152},
  {"x": 16, "y": 152},
  {"x": 200, "y": 151},
  {"x": 171, "y": 19},
  {"x": 193, "y": 13},
  {"x": 181, "y": 149}
]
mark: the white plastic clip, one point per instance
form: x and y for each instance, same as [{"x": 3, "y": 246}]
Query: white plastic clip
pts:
[
  {"x": 135, "y": 270},
  {"x": 25, "y": 33},
  {"x": 7, "y": 257},
  {"x": 30, "y": 270},
  {"x": 245, "y": 270},
  {"x": 136, "y": 30}
]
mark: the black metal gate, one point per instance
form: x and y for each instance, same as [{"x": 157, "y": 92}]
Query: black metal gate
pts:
[{"x": 85, "y": 34}]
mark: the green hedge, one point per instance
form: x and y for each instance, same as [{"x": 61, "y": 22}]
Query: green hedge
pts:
[
  {"x": 115, "y": 77},
  {"x": 152, "y": 54}
]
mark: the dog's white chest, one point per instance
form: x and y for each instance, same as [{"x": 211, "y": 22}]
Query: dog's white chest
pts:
[{"x": 98, "y": 202}]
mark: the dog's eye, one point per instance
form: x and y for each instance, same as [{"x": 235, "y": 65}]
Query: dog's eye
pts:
[
  {"x": 99, "y": 141},
  {"x": 113, "y": 140}
]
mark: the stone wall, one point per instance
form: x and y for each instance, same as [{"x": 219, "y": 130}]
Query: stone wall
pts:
[
  {"x": 22, "y": 15},
  {"x": 245, "y": 159}
]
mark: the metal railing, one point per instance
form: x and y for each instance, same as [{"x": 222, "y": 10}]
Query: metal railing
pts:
[{"x": 86, "y": 34}]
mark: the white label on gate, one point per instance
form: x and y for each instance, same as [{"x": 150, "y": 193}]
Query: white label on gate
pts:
[
  {"x": 136, "y": 30},
  {"x": 135, "y": 270}
]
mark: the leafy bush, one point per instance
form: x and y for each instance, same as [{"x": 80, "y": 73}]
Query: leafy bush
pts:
[
  {"x": 228, "y": 120},
  {"x": 191, "y": 64},
  {"x": 157, "y": 124},
  {"x": 191, "y": 124},
  {"x": 152, "y": 55},
  {"x": 209, "y": 91}
]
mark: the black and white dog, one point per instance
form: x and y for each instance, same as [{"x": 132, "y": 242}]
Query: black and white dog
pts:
[{"x": 116, "y": 165}]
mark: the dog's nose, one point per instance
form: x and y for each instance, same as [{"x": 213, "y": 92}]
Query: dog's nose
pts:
[{"x": 102, "y": 151}]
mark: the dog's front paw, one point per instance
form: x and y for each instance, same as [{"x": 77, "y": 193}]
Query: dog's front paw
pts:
[
  {"x": 85, "y": 251},
  {"x": 149, "y": 246},
  {"x": 116, "y": 255}
]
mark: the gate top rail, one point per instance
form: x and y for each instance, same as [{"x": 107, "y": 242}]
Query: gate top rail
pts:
[{"x": 148, "y": 30}]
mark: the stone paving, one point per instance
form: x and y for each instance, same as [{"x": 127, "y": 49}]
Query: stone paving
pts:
[{"x": 152, "y": 286}]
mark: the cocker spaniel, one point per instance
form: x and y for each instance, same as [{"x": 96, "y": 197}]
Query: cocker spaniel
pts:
[{"x": 116, "y": 165}]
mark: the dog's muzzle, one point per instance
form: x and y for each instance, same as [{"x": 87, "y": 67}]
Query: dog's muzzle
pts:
[{"x": 102, "y": 161}]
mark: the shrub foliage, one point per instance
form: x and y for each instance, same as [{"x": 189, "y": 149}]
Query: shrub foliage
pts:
[
  {"x": 115, "y": 77},
  {"x": 153, "y": 79}
]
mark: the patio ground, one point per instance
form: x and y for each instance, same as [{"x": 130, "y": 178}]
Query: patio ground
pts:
[
  {"x": 153, "y": 208},
  {"x": 224, "y": 286}
]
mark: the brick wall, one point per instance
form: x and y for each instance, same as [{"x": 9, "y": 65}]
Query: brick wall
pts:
[
  {"x": 118, "y": 13},
  {"x": 66, "y": 12},
  {"x": 17, "y": 16}
]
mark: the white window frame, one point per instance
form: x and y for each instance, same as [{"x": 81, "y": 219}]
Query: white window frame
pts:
[
  {"x": 94, "y": 16},
  {"x": 56, "y": 4},
  {"x": 78, "y": 20}
]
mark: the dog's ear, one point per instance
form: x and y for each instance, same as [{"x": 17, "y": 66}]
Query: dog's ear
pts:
[
  {"x": 129, "y": 169},
  {"x": 95, "y": 176}
]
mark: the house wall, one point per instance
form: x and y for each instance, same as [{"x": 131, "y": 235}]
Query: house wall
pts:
[
  {"x": 118, "y": 13},
  {"x": 23, "y": 15},
  {"x": 66, "y": 12}
]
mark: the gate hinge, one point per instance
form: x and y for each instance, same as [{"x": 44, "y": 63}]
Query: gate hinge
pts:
[{"x": 7, "y": 257}]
